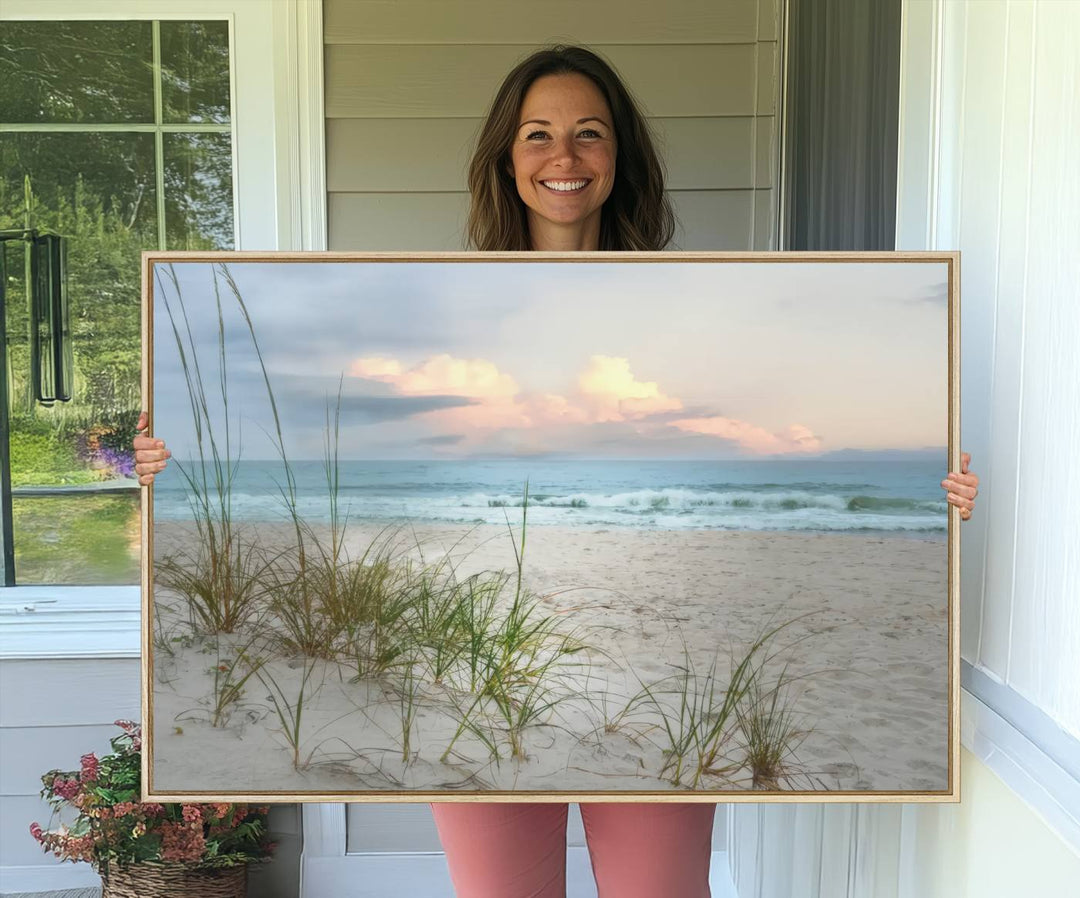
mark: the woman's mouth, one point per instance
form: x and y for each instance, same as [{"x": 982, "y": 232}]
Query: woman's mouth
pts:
[{"x": 567, "y": 187}]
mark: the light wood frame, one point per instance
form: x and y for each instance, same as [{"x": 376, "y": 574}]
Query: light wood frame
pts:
[{"x": 950, "y": 794}]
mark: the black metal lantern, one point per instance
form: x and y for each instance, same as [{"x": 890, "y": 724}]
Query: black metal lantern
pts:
[{"x": 51, "y": 360}]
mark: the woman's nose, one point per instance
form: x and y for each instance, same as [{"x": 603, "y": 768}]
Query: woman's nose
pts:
[{"x": 564, "y": 149}]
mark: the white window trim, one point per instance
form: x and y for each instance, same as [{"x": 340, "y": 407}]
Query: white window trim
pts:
[
  {"x": 279, "y": 204},
  {"x": 1034, "y": 758}
]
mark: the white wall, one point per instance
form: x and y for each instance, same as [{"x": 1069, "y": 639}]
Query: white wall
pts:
[
  {"x": 990, "y": 143},
  {"x": 53, "y": 712},
  {"x": 991, "y": 845}
]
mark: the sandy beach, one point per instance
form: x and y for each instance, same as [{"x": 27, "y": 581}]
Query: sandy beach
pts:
[{"x": 868, "y": 651}]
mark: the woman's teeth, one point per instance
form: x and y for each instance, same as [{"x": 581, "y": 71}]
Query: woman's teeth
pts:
[{"x": 564, "y": 186}]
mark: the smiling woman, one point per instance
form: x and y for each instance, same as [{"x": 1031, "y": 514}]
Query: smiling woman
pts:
[
  {"x": 565, "y": 162},
  {"x": 563, "y": 116},
  {"x": 564, "y": 165}
]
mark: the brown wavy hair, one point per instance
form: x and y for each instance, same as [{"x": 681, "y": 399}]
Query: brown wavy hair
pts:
[{"x": 636, "y": 216}]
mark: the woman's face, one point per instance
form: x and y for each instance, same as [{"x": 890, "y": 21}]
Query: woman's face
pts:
[{"x": 563, "y": 154}]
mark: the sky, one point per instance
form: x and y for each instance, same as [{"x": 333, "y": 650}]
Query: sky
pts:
[{"x": 440, "y": 360}]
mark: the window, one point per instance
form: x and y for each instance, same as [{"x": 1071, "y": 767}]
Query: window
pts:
[{"x": 118, "y": 136}]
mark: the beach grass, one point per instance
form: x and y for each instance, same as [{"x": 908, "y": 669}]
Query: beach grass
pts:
[
  {"x": 701, "y": 713},
  {"x": 770, "y": 730}
]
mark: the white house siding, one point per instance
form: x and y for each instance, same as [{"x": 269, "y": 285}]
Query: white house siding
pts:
[
  {"x": 54, "y": 711},
  {"x": 989, "y": 142},
  {"x": 408, "y": 83}
]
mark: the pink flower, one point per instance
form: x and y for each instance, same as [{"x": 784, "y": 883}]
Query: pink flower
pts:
[
  {"x": 191, "y": 813},
  {"x": 217, "y": 809},
  {"x": 181, "y": 842},
  {"x": 35, "y": 831},
  {"x": 89, "y": 768},
  {"x": 65, "y": 788}
]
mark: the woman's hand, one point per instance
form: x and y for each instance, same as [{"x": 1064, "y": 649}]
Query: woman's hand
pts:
[
  {"x": 962, "y": 488},
  {"x": 150, "y": 453}
]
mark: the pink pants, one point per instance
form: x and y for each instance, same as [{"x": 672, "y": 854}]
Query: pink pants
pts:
[{"x": 638, "y": 850}]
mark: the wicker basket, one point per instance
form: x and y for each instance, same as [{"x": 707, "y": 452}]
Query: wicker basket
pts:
[{"x": 174, "y": 881}]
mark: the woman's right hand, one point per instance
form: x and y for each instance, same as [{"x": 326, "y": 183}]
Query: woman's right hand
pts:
[{"x": 150, "y": 453}]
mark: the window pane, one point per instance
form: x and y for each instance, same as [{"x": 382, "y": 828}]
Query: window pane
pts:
[
  {"x": 80, "y": 540},
  {"x": 98, "y": 191},
  {"x": 195, "y": 71},
  {"x": 76, "y": 72},
  {"x": 198, "y": 192}
]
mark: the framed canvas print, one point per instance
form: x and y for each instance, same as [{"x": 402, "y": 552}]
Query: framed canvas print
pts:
[{"x": 498, "y": 526}]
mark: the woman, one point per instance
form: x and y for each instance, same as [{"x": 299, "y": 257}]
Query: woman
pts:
[{"x": 565, "y": 163}]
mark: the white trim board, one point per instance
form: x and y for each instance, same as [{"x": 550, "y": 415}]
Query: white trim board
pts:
[
  {"x": 1046, "y": 787},
  {"x": 70, "y": 622}
]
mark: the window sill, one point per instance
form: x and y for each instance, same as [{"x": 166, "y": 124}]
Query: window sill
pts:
[{"x": 70, "y": 622}]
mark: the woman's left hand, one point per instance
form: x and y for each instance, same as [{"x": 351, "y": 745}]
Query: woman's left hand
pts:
[{"x": 962, "y": 488}]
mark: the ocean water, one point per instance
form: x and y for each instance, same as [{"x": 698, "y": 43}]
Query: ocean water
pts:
[{"x": 887, "y": 497}]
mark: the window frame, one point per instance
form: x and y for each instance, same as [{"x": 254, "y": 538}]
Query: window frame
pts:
[{"x": 277, "y": 118}]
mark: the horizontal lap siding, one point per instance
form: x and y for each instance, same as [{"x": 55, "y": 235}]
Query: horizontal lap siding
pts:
[
  {"x": 523, "y": 22},
  {"x": 460, "y": 81},
  {"x": 434, "y": 221},
  {"x": 408, "y": 84},
  {"x": 432, "y": 154},
  {"x": 53, "y": 712}
]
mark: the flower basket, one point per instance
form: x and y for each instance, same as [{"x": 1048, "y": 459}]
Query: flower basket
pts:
[
  {"x": 146, "y": 849},
  {"x": 174, "y": 881}
]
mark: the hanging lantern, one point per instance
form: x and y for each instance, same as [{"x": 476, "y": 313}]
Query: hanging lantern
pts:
[{"x": 51, "y": 360}]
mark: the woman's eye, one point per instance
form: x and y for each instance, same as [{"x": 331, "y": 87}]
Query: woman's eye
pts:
[
  {"x": 533, "y": 134},
  {"x": 590, "y": 131}
]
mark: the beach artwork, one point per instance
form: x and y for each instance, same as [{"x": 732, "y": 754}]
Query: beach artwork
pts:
[{"x": 447, "y": 525}]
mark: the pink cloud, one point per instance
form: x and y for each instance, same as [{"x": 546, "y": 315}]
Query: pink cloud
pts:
[
  {"x": 797, "y": 437},
  {"x": 612, "y": 393},
  {"x": 607, "y": 391},
  {"x": 441, "y": 374}
]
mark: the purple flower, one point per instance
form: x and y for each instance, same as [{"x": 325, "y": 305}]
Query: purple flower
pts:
[{"x": 119, "y": 462}]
